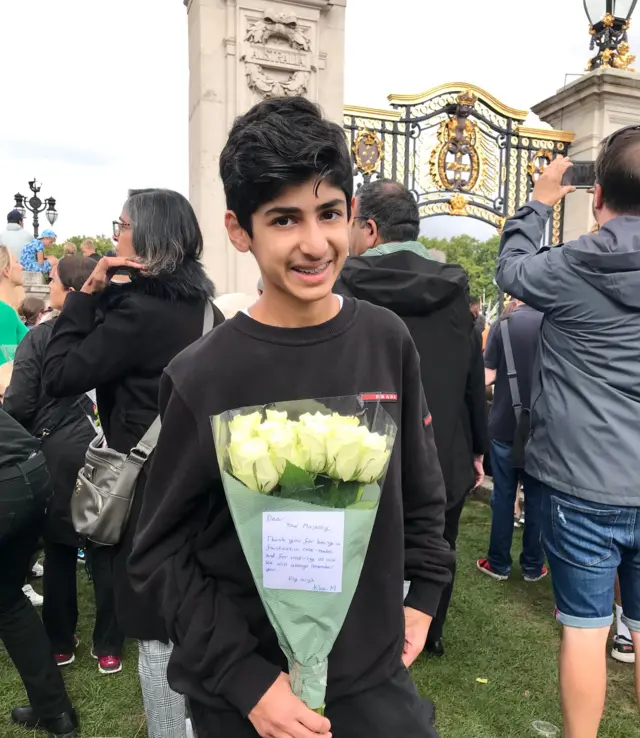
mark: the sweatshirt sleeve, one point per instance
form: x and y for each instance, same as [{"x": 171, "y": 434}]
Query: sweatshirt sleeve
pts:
[
  {"x": 215, "y": 645},
  {"x": 523, "y": 271},
  {"x": 82, "y": 355},
  {"x": 428, "y": 557}
]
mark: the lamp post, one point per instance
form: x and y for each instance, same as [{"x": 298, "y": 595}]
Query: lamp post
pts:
[
  {"x": 35, "y": 205},
  {"x": 610, "y": 20}
]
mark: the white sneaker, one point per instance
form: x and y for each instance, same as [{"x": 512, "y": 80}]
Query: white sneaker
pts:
[
  {"x": 38, "y": 571},
  {"x": 36, "y": 599}
]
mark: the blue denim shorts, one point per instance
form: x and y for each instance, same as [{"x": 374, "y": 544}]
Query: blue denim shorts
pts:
[{"x": 587, "y": 544}]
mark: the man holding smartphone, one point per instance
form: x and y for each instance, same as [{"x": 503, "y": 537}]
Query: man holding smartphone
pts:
[{"x": 583, "y": 453}]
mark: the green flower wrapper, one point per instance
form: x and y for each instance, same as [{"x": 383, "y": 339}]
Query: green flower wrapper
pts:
[{"x": 256, "y": 448}]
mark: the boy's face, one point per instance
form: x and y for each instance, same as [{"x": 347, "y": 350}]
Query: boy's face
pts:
[{"x": 300, "y": 240}]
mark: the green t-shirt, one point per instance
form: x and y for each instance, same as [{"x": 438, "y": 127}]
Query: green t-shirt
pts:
[{"x": 12, "y": 331}]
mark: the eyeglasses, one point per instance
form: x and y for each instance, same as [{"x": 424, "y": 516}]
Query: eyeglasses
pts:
[
  {"x": 118, "y": 227},
  {"x": 616, "y": 134}
]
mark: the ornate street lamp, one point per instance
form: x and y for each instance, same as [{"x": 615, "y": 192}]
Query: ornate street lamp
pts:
[
  {"x": 36, "y": 206},
  {"x": 610, "y": 20}
]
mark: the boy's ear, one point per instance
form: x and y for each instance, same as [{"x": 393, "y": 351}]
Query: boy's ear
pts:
[{"x": 237, "y": 234}]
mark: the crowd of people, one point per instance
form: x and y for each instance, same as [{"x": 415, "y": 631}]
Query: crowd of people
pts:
[{"x": 349, "y": 303}]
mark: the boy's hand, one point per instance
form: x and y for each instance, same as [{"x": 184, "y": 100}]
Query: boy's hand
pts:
[
  {"x": 417, "y": 626},
  {"x": 280, "y": 714}
]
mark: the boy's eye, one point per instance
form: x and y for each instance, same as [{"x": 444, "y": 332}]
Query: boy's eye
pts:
[
  {"x": 331, "y": 215},
  {"x": 283, "y": 220}
]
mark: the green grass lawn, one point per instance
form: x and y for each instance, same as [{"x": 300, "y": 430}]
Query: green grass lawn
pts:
[{"x": 502, "y": 632}]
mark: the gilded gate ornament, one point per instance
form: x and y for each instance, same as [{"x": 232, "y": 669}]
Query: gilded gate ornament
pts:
[
  {"x": 455, "y": 164},
  {"x": 367, "y": 151},
  {"x": 459, "y": 150},
  {"x": 539, "y": 162}
]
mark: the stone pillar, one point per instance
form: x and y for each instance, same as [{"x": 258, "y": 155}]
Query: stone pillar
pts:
[
  {"x": 593, "y": 106},
  {"x": 241, "y": 52}
]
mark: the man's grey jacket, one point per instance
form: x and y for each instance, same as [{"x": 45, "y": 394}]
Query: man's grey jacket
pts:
[{"x": 585, "y": 414}]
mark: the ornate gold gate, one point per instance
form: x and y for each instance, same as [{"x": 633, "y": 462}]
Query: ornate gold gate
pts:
[{"x": 459, "y": 150}]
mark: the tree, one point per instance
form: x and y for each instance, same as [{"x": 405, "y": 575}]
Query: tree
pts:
[
  {"x": 102, "y": 244},
  {"x": 478, "y": 259}
]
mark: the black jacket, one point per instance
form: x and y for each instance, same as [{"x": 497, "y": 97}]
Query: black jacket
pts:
[
  {"x": 433, "y": 300},
  {"x": 120, "y": 342},
  {"x": 67, "y": 420}
]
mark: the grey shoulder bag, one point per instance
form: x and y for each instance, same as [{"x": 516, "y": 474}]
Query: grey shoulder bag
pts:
[
  {"x": 101, "y": 504},
  {"x": 523, "y": 416}
]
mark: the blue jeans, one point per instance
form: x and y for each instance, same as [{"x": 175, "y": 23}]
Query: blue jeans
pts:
[
  {"x": 587, "y": 544},
  {"x": 503, "y": 500}
]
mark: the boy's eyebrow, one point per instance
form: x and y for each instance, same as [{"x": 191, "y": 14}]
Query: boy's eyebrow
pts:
[
  {"x": 330, "y": 204},
  {"x": 283, "y": 210}
]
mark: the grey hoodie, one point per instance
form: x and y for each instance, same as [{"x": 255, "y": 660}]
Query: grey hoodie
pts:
[{"x": 585, "y": 438}]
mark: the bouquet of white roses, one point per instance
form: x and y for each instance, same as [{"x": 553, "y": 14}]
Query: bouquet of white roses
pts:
[{"x": 303, "y": 481}]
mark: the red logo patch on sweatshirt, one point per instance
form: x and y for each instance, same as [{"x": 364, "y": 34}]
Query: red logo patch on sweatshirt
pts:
[
  {"x": 428, "y": 420},
  {"x": 379, "y": 397}
]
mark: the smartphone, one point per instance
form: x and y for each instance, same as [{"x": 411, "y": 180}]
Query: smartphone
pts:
[
  {"x": 123, "y": 271},
  {"x": 581, "y": 175}
]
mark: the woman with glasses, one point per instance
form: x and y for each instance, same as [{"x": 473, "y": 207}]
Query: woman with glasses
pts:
[{"x": 118, "y": 338}]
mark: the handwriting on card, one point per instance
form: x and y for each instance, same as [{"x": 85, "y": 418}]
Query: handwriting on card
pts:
[{"x": 303, "y": 550}]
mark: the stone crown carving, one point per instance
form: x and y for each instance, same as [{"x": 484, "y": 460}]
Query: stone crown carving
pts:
[{"x": 266, "y": 51}]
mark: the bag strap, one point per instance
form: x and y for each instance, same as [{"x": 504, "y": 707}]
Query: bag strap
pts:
[
  {"x": 57, "y": 418},
  {"x": 511, "y": 370},
  {"x": 147, "y": 444}
]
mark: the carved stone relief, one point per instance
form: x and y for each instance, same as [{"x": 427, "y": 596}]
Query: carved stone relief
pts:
[{"x": 277, "y": 56}]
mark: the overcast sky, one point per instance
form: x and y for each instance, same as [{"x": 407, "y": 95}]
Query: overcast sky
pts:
[{"x": 95, "y": 94}]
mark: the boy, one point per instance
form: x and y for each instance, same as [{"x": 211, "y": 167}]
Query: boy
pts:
[{"x": 289, "y": 186}]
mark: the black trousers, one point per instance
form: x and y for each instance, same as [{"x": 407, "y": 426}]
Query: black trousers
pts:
[
  {"x": 451, "y": 528},
  {"x": 24, "y": 491},
  {"x": 392, "y": 710},
  {"x": 60, "y": 609}
]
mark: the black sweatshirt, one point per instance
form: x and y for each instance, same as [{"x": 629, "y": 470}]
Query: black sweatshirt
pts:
[
  {"x": 187, "y": 550},
  {"x": 433, "y": 301}
]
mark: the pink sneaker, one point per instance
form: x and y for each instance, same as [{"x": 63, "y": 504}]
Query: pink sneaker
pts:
[
  {"x": 64, "y": 659},
  {"x": 109, "y": 664}
]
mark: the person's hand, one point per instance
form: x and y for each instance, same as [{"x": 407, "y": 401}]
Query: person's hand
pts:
[
  {"x": 549, "y": 189},
  {"x": 280, "y": 714},
  {"x": 478, "y": 468},
  {"x": 416, "y": 629},
  {"x": 53, "y": 260},
  {"x": 100, "y": 278}
]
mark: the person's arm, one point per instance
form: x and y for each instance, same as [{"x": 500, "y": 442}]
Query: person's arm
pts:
[
  {"x": 82, "y": 355},
  {"x": 23, "y": 393},
  {"x": 428, "y": 557},
  {"x": 215, "y": 643},
  {"x": 21, "y": 329},
  {"x": 523, "y": 271},
  {"x": 492, "y": 354},
  {"x": 476, "y": 398}
]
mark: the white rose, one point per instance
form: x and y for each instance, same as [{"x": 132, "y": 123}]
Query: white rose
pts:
[
  {"x": 245, "y": 424},
  {"x": 252, "y": 465},
  {"x": 344, "y": 452},
  {"x": 282, "y": 440},
  {"x": 273, "y": 416},
  {"x": 313, "y": 431},
  {"x": 374, "y": 458},
  {"x": 342, "y": 420}
]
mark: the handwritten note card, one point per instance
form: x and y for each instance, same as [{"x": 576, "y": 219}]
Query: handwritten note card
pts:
[{"x": 303, "y": 550}]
